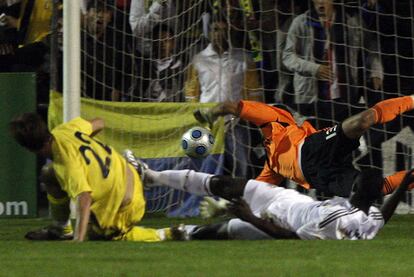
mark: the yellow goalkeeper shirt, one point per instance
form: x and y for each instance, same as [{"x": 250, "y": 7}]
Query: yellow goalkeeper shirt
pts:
[{"x": 84, "y": 164}]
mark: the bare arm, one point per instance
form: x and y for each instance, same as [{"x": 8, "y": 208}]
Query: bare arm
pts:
[
  {"x": 84, "y": 201},
  {"x": 142, "y": 22},
  {"x": 97, "y": 125},
  {"x": 240, "y": 208},
  {"x": 391, "y": 204}
]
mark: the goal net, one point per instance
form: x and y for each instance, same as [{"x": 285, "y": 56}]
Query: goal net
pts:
[{"x": 146, "y": 65}]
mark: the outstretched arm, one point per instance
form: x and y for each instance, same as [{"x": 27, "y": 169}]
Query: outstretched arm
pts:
[
  {"x": 254, "y": 112},
  {"x": 142, "y": 22},
  {"x": 84, "y": 201},
  {"x": 382, "y": 112},
  {"x": 391, "y": 204},
  {"x": 241, "y": 209},
  {"x": 210, "y": 115}
]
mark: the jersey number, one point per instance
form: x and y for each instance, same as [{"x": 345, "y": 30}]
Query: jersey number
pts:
[{"x": 84, "y": 148}]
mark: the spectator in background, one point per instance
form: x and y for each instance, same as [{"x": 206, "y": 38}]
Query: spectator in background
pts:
[
  {"x": 222, "y": 73},
  {"x": 261, "y": 25},
  {"x": 9, "y": 38},
  {"x": 25, "y": 23},
  {"x": 322, "y": 49},
  {"x": 287, "y": 12},
  {"x": 185, "y": 17},
  {"x": 34, "y": 20},
  {"x": 160, "y": 79},
  {"x": 106, "y": 63},
  {"x": 28, "y": 25}
]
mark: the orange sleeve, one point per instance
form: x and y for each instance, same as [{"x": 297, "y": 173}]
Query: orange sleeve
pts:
[
  {"x": 387, "y": 110},
  {"x": 393, "y": 181},
  {"x": 260, "y": 113}
]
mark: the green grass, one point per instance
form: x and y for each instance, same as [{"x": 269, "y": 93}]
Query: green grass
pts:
[{"x": 390, "y": 254}]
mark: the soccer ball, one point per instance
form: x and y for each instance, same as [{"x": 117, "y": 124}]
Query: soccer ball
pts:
[{"x": 197, "y": 142}]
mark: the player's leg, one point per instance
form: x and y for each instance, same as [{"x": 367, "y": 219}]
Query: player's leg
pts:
[
  {"x": 382, "y": 112},
  {"x": 234, "y": 229},
  {"x": 393, "y": 181},
  {"x": 59, "y": 204},
  {"x": 215, "y": 231},
  {"x": 198, "y": 183},
  {"x": 141, "y": 234}
]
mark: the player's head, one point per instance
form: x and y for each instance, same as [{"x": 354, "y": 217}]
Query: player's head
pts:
[
  {"x": 368, "y": 186},
  {"x": 31, "y": 132},
  {"x": 219, "y": 33},
  {"x": 163, "y": 41},
  {"x": 324, "y": 8},
  {"x": 99, "y": 16}
]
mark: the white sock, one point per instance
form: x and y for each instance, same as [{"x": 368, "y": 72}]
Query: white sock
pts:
[{"x": 197, "y": 183}]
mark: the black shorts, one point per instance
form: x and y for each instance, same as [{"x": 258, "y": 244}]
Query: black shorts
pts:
[{"x": 326, "y": 160}]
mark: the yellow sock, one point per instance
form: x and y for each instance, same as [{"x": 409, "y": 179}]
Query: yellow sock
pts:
[{"x": 147, "y": 234}]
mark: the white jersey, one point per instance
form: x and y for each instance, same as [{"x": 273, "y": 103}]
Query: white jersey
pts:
[{"x": 331, "y": 219}]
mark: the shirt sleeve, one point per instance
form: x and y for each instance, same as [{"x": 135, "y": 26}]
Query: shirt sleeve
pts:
[
  {"x": 260, "y": 113},
  {"x": 76, "y": 183},
  {"x": 251, "y": 87},
  {"x": 353, "y": 226},
  {"x": 291, "y": 59},
  {"x": 192, "y": 86}
]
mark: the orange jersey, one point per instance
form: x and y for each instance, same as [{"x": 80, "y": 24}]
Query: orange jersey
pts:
[{"x": 282, "y": 140}]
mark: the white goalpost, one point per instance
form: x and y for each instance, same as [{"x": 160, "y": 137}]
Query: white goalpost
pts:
[{"x": 71, "y": 59}]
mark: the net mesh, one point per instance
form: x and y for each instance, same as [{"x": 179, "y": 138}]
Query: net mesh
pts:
[{"x": 217, "y": 50}]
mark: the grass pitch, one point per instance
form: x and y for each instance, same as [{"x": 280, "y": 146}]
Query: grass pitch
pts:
[{"x": 390, "y": 254}]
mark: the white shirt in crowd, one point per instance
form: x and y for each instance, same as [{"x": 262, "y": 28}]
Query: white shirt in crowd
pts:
[
  {"x": 143, "y": 20},
  {"x": 221, "y": 77}
]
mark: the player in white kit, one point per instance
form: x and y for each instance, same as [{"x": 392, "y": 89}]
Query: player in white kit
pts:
[{"x": 268, "y": 211}]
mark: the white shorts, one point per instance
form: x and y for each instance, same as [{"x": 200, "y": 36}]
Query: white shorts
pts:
[{"x": 284, "y": 206}]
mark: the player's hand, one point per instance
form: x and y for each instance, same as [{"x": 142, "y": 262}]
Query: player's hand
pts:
[
  {"x": 240, "y": 209},
  {"x": 205, "y": 116},
  {"x": 325, "y": 73},
  {"x": 210, "y": 207},
  {"x": 376, "y": 83}
]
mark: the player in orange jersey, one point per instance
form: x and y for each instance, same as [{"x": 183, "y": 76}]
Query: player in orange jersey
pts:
[{"x": 319, "y": 159}]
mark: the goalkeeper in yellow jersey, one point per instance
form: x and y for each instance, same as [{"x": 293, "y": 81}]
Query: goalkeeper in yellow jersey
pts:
[{"x": 107, "y": 189}]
